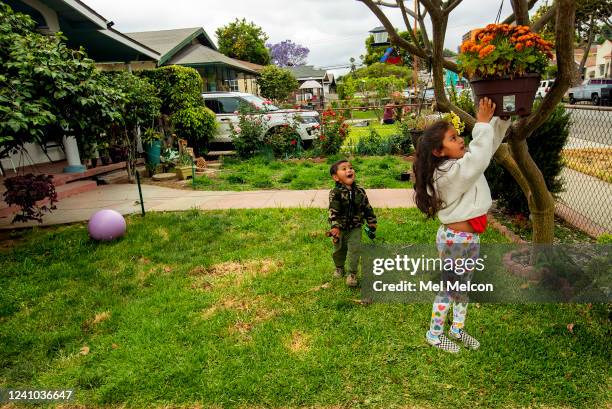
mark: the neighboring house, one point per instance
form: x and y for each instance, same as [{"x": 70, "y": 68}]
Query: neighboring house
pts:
[
  {"x": 82, "y": 27},
  {"x": 599, "y": 64},
  {"x": 326, "y": 79},
  {"x": 192, "y": 47}
]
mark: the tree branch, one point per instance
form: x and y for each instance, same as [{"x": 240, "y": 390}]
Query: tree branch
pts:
[
  {"x": 564, "y": 39},
  {"x": 402, "y": 7},
  {"x": 587, "y": 46},
  {"x": 510, "y": 19},
  {"x": 546, "y": 17},
  {"x": 451, "y": 6},
  {"x": 521, "y": 12},
  {"x": 421, "y": 20}
]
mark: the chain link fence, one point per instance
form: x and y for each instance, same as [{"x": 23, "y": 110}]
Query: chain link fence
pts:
[{"x": 586, "y": 201}]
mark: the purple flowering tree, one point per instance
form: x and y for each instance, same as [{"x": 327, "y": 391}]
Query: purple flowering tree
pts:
[{"x": 288, "y": 54}]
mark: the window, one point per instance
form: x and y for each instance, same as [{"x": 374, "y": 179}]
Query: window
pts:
[
  {"x": 601, "y": 69},
  {"x": 233, "y": 85},
  {"x": 212, "y": 104},
  {"x": 228, "y": 105}
]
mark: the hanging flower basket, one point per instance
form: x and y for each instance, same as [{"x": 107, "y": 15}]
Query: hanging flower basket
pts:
[{"x": 505, "y": 64}]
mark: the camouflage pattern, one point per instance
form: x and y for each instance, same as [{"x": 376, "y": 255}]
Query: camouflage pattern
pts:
[{"x": 349, "y": 208}]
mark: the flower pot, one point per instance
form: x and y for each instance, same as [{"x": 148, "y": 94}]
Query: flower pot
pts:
[
  {"x": 152, "y": 152},
  {"x": 512, "y": 96},
  {"x": 183, "y": 172},
  {"x": 94, "y": 162}
]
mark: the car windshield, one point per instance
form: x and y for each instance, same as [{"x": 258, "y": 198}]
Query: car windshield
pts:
[{"x": 260, "y": 103}]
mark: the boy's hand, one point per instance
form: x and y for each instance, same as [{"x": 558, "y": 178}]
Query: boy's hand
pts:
[
  {"x": 335, "y": 232},
  {"x": 486, "y": 107},
  {"x": 372, "y": 226}
]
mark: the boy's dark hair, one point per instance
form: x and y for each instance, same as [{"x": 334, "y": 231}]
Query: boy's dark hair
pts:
[{"x": 334, "y": 168}]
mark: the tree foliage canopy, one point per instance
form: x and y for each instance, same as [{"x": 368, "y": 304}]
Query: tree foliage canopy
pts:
[
  {"x": 288, "y": 54},
  {"x": 48, "y": 89},
  {"x": 244, "y": 41},
  {"x": 276, "y": 83}
]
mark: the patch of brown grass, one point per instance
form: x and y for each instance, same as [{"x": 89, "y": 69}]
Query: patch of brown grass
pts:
[
  {"x": 237, "y": 270},
  {"x": 299, "y": 342},
  {"x": 103, "y": 316},
  {"x": 162, "y": 233}
]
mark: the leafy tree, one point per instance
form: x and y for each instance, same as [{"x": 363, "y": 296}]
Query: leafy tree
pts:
[
  {"x": 139, "y": 106},
  {"x": 244, "y": 41},
  {"x": 47, "y": 89},
  {"x": 276, "y": 83},
  {"x": 379, "y": 70},
  {"x": 288, "y": 54}
]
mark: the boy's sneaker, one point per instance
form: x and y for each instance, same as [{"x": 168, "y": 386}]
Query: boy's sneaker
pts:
[
  {"x": 468, "y": 340},
  {"x": 351, "y": 280},
  {"x": 443, "y": 343},
  {"x": 339, "y": 272}
]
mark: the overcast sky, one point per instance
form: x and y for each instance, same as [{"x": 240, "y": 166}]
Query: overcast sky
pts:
[{"x": 333, "y": 30}]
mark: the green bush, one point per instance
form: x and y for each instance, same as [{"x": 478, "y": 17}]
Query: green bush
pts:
[
  {"x": 605, "y": 238},
  {"x": 178, "y": 87},
  {"x": 283, "y": 141},
  {"x": 287, "y": 177},
  {"x": 261, "y": 181},
  {"x": 545, "y": 147},
  {"x": 196, "y": 124}
]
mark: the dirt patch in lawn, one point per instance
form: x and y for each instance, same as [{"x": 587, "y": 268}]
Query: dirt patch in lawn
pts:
[
  {"x": 591, "y": 161},
  {"x": 299, "y": 342}
]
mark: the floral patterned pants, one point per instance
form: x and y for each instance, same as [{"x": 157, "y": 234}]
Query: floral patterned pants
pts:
[{"x": 453, "y": 244}]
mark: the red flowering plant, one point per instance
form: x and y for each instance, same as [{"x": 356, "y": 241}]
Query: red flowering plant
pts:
[
  {"x": 284, "y": 141},
  {"x": 502, "y": 50},
  {"x": 333, "y": 132}
]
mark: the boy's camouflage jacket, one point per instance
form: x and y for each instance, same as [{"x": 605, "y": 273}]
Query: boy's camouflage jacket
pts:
[{"x": 348, "y": 208}]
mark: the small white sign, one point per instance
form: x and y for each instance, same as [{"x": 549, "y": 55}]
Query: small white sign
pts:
[{"x": 509, "y": 103}]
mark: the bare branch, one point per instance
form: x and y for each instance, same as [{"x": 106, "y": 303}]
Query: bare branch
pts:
[
  {"x": 424, "y": 34},
  {"x": 521, "y": 12},
  {"x": 587, "y": 46},
  {"x": 451, "y": 6},
  {"x": 564, "y": 40},
  {"x": 511, "y": 18},
  {"x": 546, "y": 17},
  {"x": 402, "y": 7}
]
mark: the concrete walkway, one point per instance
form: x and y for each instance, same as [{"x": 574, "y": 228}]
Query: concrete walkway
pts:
[{"x": 124, "y": 199}]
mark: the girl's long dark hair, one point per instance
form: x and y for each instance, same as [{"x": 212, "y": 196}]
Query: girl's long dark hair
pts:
[{"x": 425, "y": 164}]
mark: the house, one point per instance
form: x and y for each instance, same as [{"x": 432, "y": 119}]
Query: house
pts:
[
  {"x": 599, "y": 65},
  {"x": 82, "y": 27},
  {"x": 326, "y": 80},
  {"x": 192, "y": 47}
]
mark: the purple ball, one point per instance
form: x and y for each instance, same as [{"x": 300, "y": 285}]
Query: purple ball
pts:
[{"x": 106, "y": 225}]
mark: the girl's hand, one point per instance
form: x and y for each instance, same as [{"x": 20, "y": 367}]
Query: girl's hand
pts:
[{"x": 486, "y": 107}]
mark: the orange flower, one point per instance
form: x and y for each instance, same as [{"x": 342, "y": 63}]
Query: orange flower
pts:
[
  {"x": 529, "y": 44},
  {"x": 519, "y": 47}
]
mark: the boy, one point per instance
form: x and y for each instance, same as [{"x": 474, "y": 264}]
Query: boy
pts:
[{"x": 348, "y": 208}]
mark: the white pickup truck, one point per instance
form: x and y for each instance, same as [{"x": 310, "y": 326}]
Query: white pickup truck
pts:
[
  {"x": 596, "y": 90},
  {"x": 226, "y": 105}
]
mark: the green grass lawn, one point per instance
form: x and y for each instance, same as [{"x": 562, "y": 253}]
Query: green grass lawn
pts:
[
  {"x": 369, "y": 114},
  {"x": 356, "y": 132},
  {"x": 238, "y": 309},
  {"x": 261, "y": 173}
]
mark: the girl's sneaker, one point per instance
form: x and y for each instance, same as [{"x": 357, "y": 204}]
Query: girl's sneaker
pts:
[
  {"x": 442, "y": 342},
  {"x": 339, "y": 272},
  {"x": 468, "y": 340}
]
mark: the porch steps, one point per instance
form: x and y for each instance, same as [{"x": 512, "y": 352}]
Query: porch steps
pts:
[
  {"x": 63, "y": 191},
  {"x": 63, "y": 178}
]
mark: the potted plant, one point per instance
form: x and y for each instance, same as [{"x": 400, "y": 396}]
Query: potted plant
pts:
[
  {"x": 151, "y": 143},
  {"x": 505, "y": 63},
  {"x": 183, "y": 168}
]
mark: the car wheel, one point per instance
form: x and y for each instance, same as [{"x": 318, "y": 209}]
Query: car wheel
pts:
[
  {"x": 572, "y": 100},
  {"x": 595, "y": 99}
]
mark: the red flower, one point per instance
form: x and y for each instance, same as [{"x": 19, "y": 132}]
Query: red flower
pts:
[{"x": 293, "y": 142}]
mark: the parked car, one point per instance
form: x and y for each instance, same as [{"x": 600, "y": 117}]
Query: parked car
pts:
[
  {"x": 544, "y": 88},
  {"x": 226, "y": 105},
  {"x": 596, "y": 90}
]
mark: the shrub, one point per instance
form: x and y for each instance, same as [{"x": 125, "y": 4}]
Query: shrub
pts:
[
  {"x": 196, "y": 124},
  {"x": 287, "y": 177},
  {"x": 25, "y": 191},
  {"x": 248, "y": 135},
  {"x": 276, "y": 83},
  {"x": 545, "y": 147},
  {"x": 283, "y": 141},
  {"x": 333, "y": 133},
  {"x": 178, "y": 87}
]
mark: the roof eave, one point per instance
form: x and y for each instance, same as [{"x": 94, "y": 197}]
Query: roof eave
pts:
[{"x": 167, "y": 56}]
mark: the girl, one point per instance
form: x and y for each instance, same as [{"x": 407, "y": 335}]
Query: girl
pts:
[{"x": 450, "y": 184}]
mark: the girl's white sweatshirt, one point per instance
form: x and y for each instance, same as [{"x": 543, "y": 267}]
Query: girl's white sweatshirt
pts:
[{"x": 460, "y": 183}]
